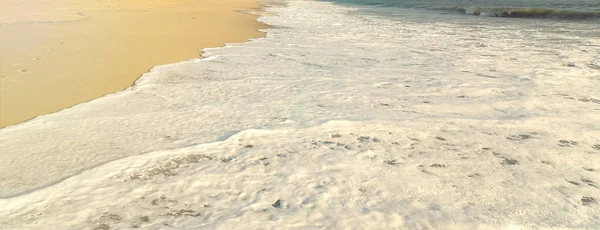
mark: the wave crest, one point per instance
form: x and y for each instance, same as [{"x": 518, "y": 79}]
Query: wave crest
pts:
[{"x": 523, "y": 12}]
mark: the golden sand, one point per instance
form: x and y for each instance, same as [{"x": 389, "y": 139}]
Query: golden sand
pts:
[{"x": 58, "y": 53}]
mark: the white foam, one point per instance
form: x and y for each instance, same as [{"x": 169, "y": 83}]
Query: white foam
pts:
[{"x": 475, "y": 87}]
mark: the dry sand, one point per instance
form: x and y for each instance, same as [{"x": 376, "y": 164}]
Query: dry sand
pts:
[
  {"x": 58, "y": 53},
  {"x": 334, "y": 120}
]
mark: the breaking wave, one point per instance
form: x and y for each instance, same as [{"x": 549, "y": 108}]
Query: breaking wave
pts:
[
  {"x": 524, "y": 12},
  {"x": 552, "y": 9}
]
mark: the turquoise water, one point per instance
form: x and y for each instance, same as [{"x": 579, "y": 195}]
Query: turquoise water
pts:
[{"x": 556, "y": 9}]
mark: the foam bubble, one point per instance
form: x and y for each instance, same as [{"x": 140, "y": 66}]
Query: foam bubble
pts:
[{"x": 305, "y": 72}]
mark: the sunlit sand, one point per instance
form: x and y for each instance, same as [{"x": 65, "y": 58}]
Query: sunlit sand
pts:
[
  {"x": 335, "y": 119},
  {"x": 58, "y": 53}
]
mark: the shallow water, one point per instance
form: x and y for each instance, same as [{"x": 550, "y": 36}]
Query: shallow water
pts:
[
  {"x": 493, "y": 123},
  {"x": 587, "y": 5},
  {"x": 556, "y": 9}
]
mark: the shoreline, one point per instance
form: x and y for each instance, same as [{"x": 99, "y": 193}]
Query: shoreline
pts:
[
  {"x": 333, "y": 119},
  {"x": 46, "y": 54},
  {"x": 41, "y": 122}
]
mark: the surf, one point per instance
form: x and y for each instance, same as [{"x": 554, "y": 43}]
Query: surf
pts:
[{"x": 522, "y": 12}]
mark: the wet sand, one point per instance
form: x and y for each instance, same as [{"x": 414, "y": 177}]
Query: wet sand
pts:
[
  {"x": 55, "y": 54},
  {"x": 335, "y": 120}
]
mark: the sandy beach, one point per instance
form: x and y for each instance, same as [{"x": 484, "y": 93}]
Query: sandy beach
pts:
[
  {"x": 338, "y": 118},
  {"x": 58, "y": 53}
]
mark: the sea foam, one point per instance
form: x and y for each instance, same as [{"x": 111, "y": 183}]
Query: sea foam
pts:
[{"x": 479, "y": 113}]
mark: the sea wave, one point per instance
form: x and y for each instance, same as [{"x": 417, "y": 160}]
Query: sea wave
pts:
[
  {"x": 510, "y": 9},
  {"x": 523, "y": 12}
]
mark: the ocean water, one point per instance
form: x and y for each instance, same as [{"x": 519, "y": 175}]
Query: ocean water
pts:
[
  {"x": 575, "y": 18},
  {"x": 343, "y": 116},
  {"x": 556, "y": 9}
]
